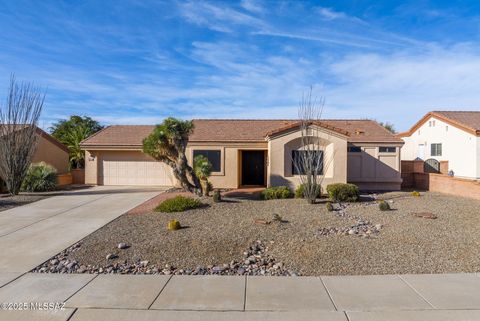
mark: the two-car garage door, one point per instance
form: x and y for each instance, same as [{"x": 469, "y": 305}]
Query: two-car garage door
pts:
[{"x": 133, "y": 168}]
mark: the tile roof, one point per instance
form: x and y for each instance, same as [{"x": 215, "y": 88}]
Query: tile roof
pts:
[
  {"x": 466, "y": 118},
  {"x": 468, "y": 121},
  {"x": 38, "y": 130},
  {"x": 238, "y": 130}
]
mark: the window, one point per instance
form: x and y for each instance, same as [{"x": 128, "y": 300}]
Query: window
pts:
[
  {"x": 213, "y": 156},
  {"x": 298, "y": 166},
  {"x": 436, "y": 149},
  {"x": 446, "y": 128},
  {"x": 354, "y": 149},
  {"x": 388, "y": 149},
  {"x": 431, "y": 123}
]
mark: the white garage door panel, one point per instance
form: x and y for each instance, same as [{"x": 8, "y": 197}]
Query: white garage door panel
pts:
[{"x": 134, "y": 169}]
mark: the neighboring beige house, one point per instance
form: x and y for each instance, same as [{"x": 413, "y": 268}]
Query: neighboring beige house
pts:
[
  {"x": 452, "y": 136},
  {"x": 250, "y": 153},
  {"x": 50, "y": 151}
]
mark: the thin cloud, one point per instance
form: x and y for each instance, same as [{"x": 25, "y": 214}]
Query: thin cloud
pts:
[
  {"x": 330, "y": 14},
  {"x": 218, "y": 18},
  {"x": 254, "y": 6}
]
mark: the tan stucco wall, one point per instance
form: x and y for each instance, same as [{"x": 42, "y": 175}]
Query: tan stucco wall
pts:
[
  {"x": 372, "y": 170},
  {"x": 280, "y": 162},
  {"x": 229, "y": 176},
  {"x": 91, "y": 167},
  {"x": 51, "y": 154}
]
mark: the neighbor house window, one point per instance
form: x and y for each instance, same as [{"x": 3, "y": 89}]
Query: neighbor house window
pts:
[
  {"x": 213, "y": 156},
  {"x": 354, "y": 149},
  {"x": 388, "y": 149},
  {"x": 298, "y": 167},
  {"x": 436, "y": 149}
]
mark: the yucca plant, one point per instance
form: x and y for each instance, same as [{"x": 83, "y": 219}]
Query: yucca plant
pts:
[
  {"x": 40, "y": 177},
  {"x": 203, "y": 169}
]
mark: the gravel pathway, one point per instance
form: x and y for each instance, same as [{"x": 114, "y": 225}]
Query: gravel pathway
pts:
[{"x": 217, "y": 236}]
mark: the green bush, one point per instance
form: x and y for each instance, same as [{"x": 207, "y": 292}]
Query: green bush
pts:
[
  {"x": 276, "y": 192},
  {"x": 40, "y": 177},
  {"x": 415, "y": 194},
  {"x": 178, "y": 204},
  {"x": 217, "y": 197},
  {"x": 329, "y": 206},
  {"x": 300, "y": 188},
  {"x": 384, "y": 206},
  {"x": 343, "y": 192}
]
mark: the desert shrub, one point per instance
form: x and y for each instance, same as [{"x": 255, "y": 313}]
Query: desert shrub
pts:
[
  {"x": 329, "y": 206},
  {"x": 173, "y": 225},
  {"x": 384, "y": 206},
  {"x": 299, "y": 191},
  {"x": 178, "y": 204},
  {"x": 217, "y": 197},
  {"x": 276, "y": 192},
  {"x": 40, "y": 177},
  {"x": 277, "y": 218},
  {"x": 415, "y": 194},
  {"x": 343, "y": 192}
]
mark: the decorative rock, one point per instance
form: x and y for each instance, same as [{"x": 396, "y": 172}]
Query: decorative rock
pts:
[
  {"x": 110, "y": 256},
  {"x": 217, "y": 269},
  {"x": 123, "y": 246},
  {"x": 255, "y": 261}
]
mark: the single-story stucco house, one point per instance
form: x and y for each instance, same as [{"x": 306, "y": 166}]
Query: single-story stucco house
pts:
[
  {"x": 250, "y": 153},
  {"x": 452, "y": 136},
  {"x": 50, "y": 151}
]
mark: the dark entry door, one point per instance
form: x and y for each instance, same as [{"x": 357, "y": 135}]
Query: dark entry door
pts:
[{"x": 253, "y": 167}]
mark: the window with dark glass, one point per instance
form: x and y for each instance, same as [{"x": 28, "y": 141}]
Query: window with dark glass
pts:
[
  {"x": 387, "y": 149},
  {"x": 436, "y": 150},
  {"x": 354, "y": 149},
  {"x": 298, "y": 166},
  {"x": 213, "y": 156}
]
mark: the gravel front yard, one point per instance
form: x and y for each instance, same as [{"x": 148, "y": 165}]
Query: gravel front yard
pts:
[
  {"x": 222, "y": 232},
  {"x": 8, "y": 202}
]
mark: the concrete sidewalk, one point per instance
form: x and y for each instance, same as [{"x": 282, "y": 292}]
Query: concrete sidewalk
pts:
[{"x": 454, "y": 297}]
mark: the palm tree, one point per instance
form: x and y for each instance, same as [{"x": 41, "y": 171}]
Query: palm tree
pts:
[{"x": 73, "y": 140}]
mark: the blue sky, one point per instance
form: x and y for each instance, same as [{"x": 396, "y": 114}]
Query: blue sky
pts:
[{"x": 136, "y": 62}]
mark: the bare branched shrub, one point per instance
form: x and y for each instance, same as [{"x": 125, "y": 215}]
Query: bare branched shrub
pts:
[
  {"x": 310, "y": 162},
  {"x": 18, "y": 126}
]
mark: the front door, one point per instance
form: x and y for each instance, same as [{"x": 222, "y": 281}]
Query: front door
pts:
[
  {"x": 253, "y": 167},
  {"x": 421, "y": 151}
]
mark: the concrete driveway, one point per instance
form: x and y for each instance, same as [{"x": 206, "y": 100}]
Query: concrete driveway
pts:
[{"x": 31, "y": 234}]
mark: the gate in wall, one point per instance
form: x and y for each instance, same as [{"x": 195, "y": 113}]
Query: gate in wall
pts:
[{"x": 431, "y": 166}]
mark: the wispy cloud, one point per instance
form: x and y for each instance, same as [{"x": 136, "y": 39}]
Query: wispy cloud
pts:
[
  {"x": 218, "y": 18},
  {"x": 139, "y": 63},
  {"x": 330, "y": 14},
  {"x": 255, "y": 6}
]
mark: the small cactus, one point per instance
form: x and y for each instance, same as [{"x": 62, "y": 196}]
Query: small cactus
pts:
[
  {"x": 415, "y": 194},
  {"x": 383, "y": 206},
  {"x": 329, "y": 206},
  {"x": 217, "y": 197},
  {"x": 173, "y": 225},
  {"x": 277, "y": 218}
]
